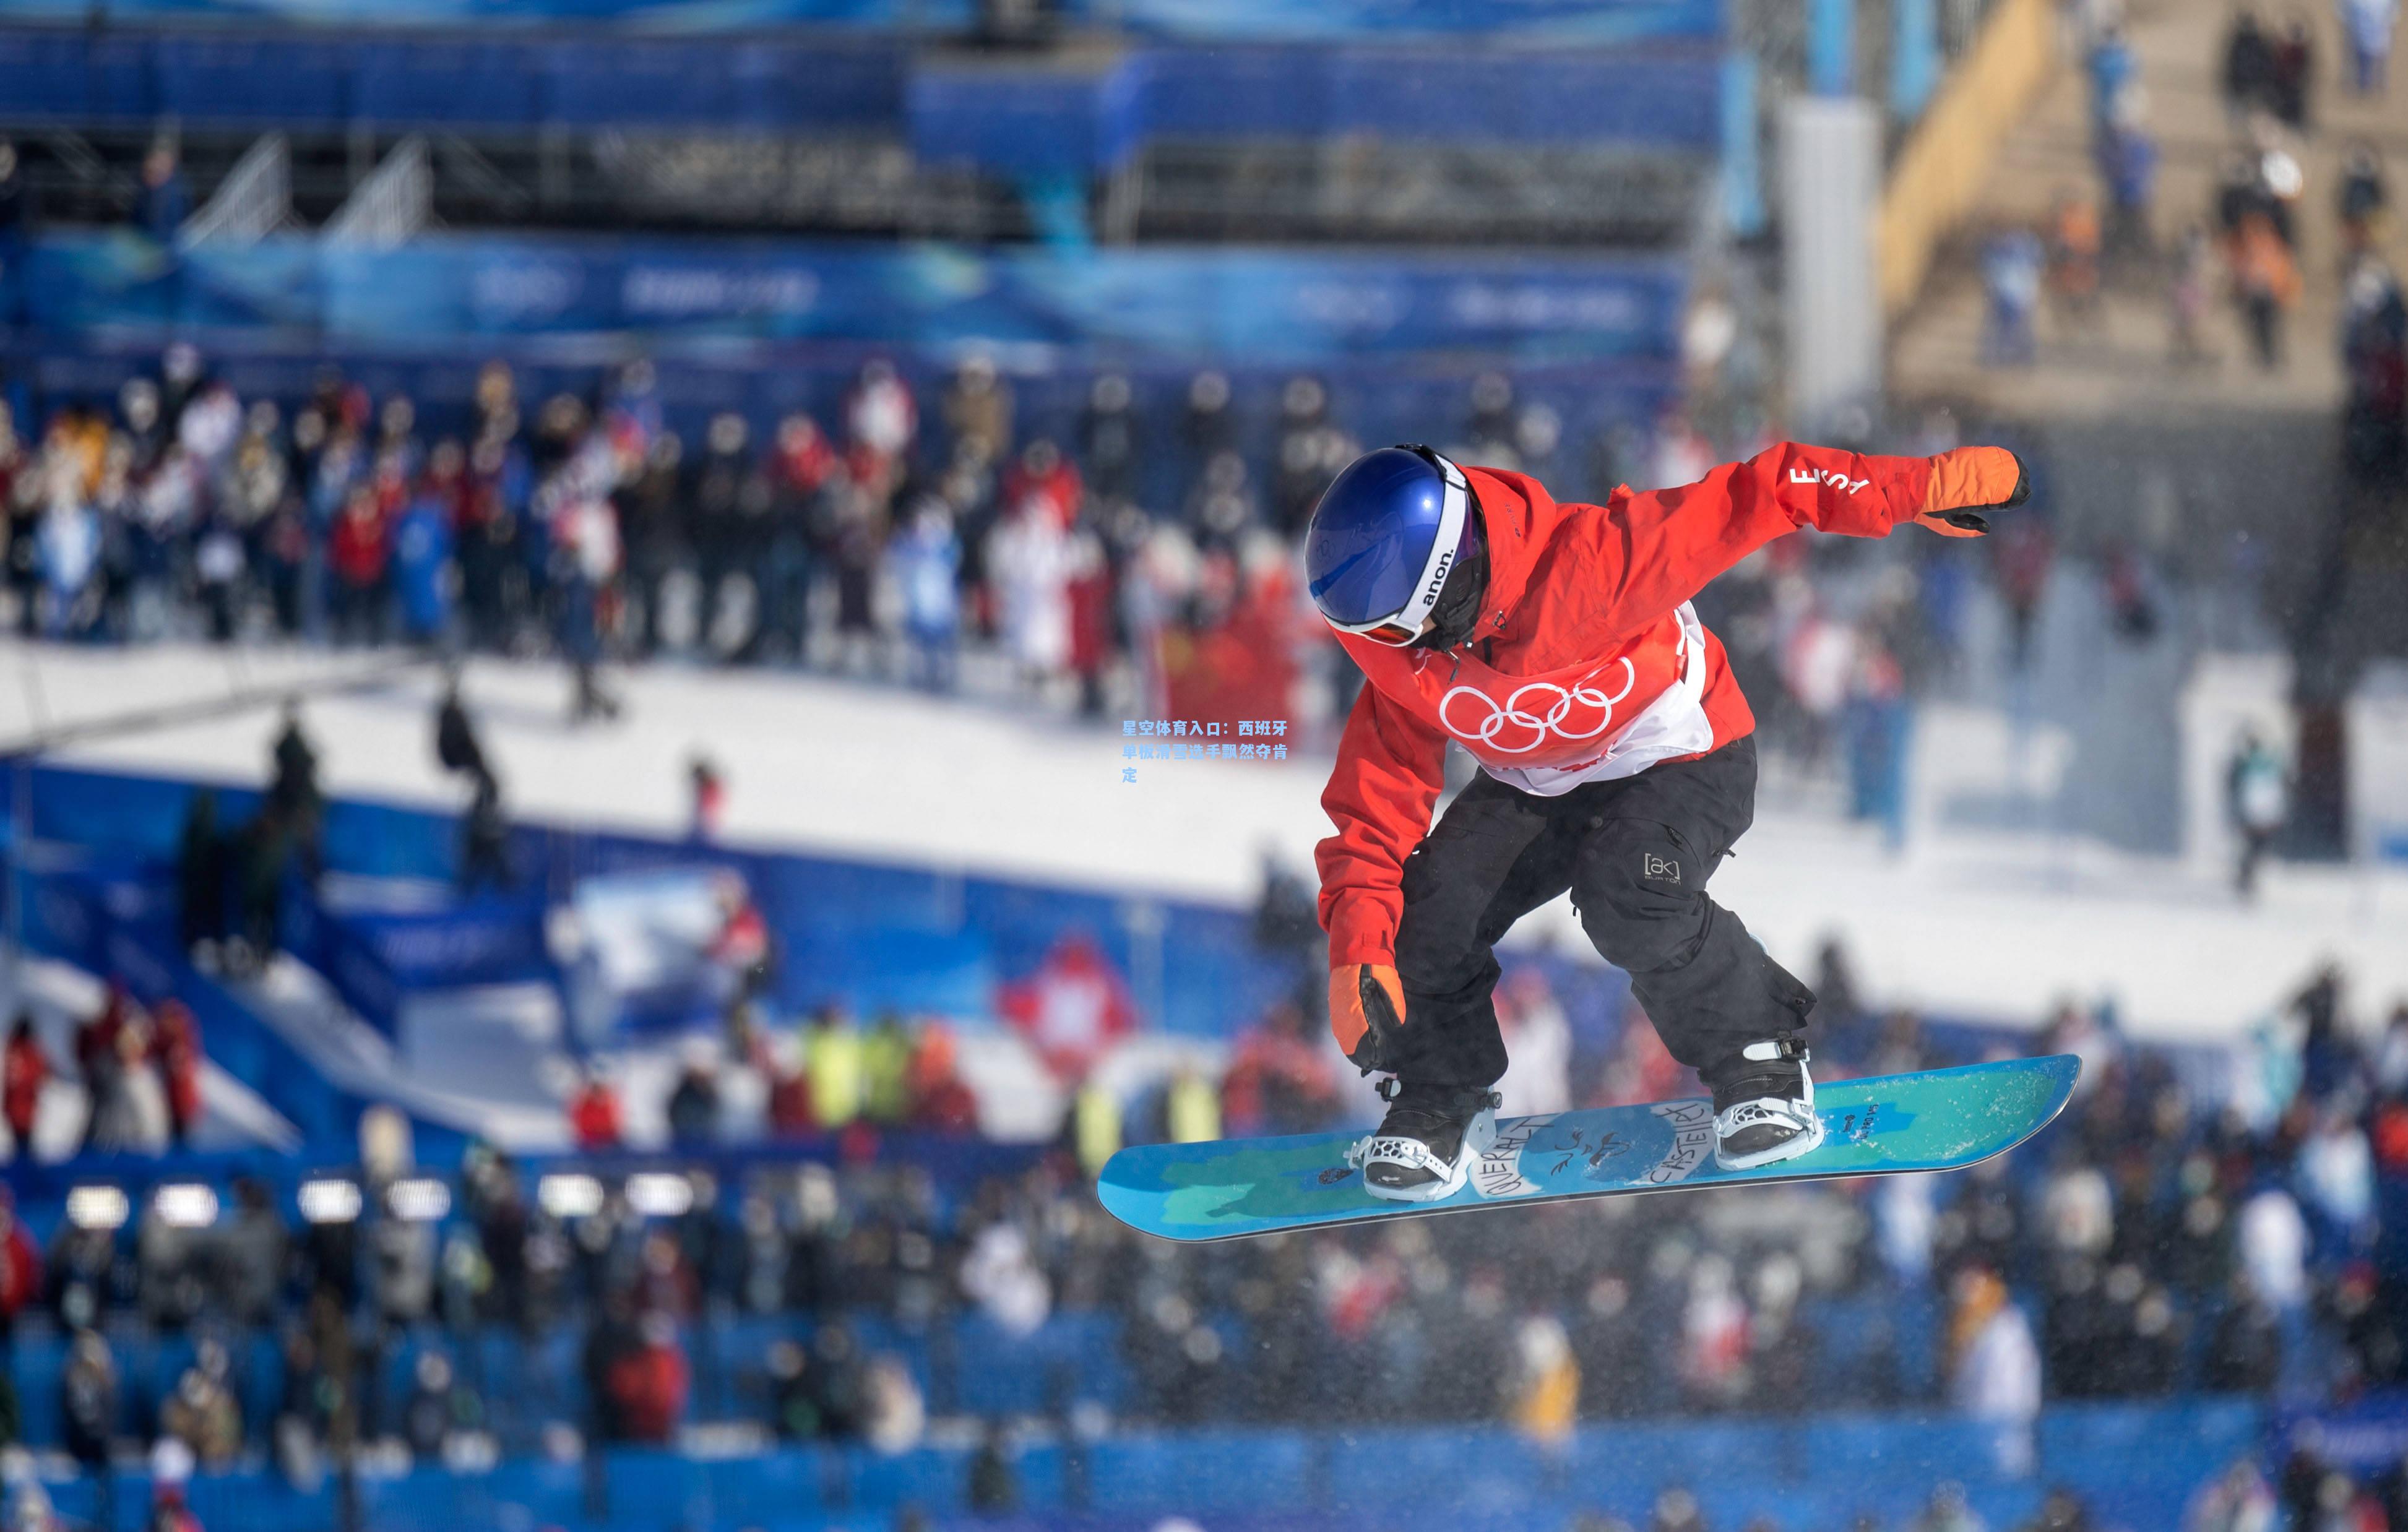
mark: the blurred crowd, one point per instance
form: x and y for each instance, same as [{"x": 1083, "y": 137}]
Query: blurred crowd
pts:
[
  {"x": 2218, "y": 1220},
  {"x": 824, "y": 1076},
  {"x": 584, "y": 524},
  {"x": 139, "y": 1070},
  {"x": 1146, "y": 557},
  {"x": 2247, "y": 246}
]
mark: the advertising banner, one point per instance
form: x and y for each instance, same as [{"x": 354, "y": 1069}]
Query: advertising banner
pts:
[{"x": 1266, "y": 306}]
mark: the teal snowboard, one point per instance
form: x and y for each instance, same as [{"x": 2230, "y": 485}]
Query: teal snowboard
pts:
[{"x": 1938, "y": 1119}]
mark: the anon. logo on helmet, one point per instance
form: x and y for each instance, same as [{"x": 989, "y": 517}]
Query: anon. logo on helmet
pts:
[{"x": 1438, "y": 576}]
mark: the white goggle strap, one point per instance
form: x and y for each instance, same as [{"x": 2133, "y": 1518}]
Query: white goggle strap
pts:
[{"x": 1452, "y": 511}]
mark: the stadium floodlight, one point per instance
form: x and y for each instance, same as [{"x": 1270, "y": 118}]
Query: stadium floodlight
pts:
[
  {"x": 186, "y": 1205},
  {"x": 417, "y": 1199},
  {"x": 97, "y": 1208},
  {"x": 657, "y": 1194},
  {"x": 569, "y": 1194},
  {"x": 329, "y": 1200}
]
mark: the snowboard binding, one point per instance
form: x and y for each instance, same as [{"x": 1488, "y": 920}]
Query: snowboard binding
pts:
[
  {"x": 1423, "y": 1150},
  {"x": 1764, "y": 1107}
]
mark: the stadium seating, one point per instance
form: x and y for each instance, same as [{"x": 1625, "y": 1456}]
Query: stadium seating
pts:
[{"x": 2134, "y": 1465}]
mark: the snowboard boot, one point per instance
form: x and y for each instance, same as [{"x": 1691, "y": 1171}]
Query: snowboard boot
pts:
[
  {"x": 1424, "y": 1148},
  {"x": 1764, "y": 1106}
]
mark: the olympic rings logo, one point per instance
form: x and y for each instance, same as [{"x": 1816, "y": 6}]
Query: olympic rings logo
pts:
[{"x": 1539, "y": 727}]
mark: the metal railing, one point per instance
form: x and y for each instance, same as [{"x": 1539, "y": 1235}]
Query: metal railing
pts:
[
  {"x": 391, "y": 204},
  {"x": 253, "y": 201}
]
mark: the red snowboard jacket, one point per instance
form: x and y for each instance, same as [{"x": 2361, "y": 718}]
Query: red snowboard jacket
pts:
[{"x": 1586, "y": 662}]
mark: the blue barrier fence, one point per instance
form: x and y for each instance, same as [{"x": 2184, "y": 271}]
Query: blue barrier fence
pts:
[
  {"x": 871, "y": 936},
  {"x": 376, "y": 960},
  {"x": 874, "y": 935},
  {"x": 2136, "y": 1466},
  {"x": 1557, "y": 21},
  {"x": 107, "y": 908},
  {"x": 117, "y": 920}
]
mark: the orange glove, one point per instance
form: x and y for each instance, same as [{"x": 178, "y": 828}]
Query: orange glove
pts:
[
  {"x": 1966, "y": 481},
  {"x": 1366, "y": 1010}
]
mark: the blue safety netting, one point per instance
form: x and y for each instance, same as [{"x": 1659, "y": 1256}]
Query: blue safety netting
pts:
[{"x": 1010, "y": 114}]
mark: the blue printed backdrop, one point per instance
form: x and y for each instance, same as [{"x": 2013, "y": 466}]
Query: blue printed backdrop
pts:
[
  {"x": 1536, "y": 21},
  {"x": 1266, "y": 306}
]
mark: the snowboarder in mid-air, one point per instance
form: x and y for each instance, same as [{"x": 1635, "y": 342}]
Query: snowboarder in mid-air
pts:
[{"x": 1557, "y": 644}]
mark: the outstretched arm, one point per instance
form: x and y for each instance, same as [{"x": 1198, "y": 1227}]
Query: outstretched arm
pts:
[{"x": 1662, "y": 547}]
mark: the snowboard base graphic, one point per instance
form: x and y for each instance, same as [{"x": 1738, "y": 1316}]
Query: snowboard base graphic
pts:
[{"x": 1935, "y": 1120}]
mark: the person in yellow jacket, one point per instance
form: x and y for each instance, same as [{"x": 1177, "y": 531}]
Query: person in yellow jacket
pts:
[
  {"x": 1546, "y": 1390},
  {"x": 1095, "y": 1124},
  {"x": 1191, "y": 1107},
  {"x": 833, "y": 1060},
  {"x": 887, "y": 1071}
]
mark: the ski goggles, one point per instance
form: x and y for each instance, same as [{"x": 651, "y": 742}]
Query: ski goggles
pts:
[{"x": 1403, "y": 629}]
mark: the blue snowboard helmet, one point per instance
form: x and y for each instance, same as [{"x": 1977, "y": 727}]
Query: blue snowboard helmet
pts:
[{"x": 1394, "y": 542}]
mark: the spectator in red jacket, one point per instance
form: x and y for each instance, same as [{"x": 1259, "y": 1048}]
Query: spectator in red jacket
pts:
[
  {"x": 648, "y": 1383},
  {"x": 1279, "y": 1079},
  {"x": 21, "y": 1266},
  {"x": 1043, "y": 473},
  {"x": 594, "y": 1116},
  {"x": 175, "y": 1044},
  {"x": 790, "y": 1110},
  {"x": 362, "y": 547},
  {"x": 25, "y": 1071},
  {"x": 802, "y": 459},
  {"x": 939, "y": 1099},
  {"x": 741, "y": 950}
]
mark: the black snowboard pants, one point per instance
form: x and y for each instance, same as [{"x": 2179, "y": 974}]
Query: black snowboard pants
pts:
[{"x": 1636, "y": 853}]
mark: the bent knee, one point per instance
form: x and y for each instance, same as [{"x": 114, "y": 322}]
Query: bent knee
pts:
[
  {"x": 1641, "y": 892},
  {"x": 1436, "y": 955}
]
